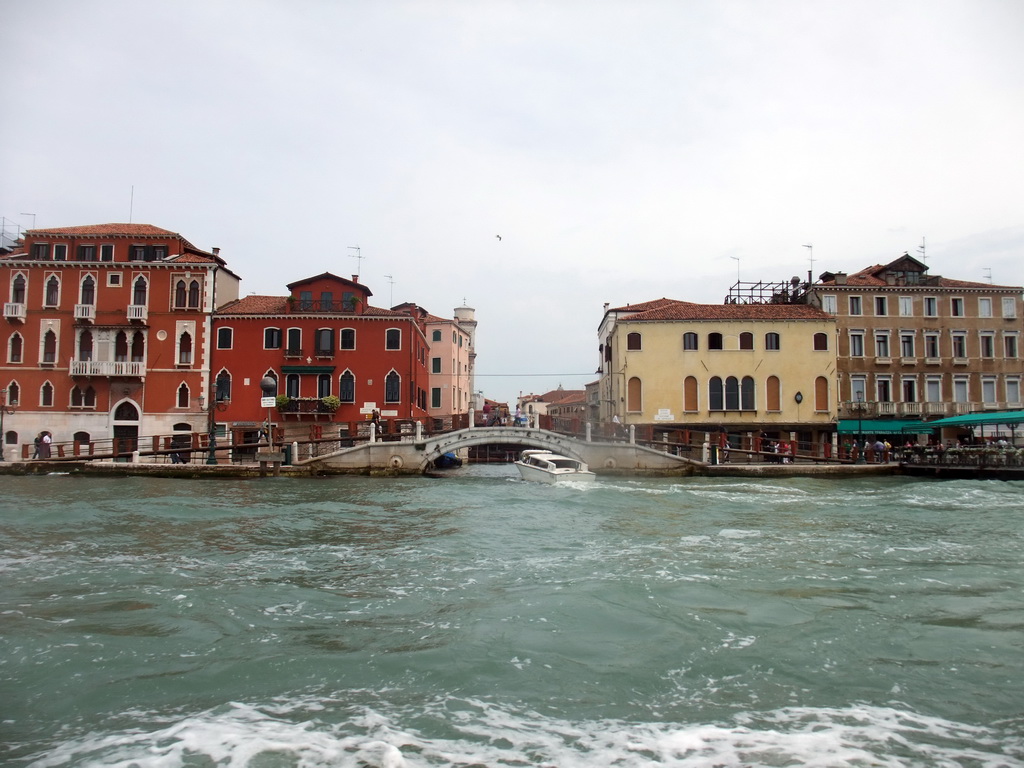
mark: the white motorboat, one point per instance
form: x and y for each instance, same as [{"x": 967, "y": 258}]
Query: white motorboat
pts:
[{"x": 548, "y": 467}]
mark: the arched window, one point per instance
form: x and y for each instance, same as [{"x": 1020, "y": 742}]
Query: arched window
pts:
[
  {"x": 634, "y": 395},
  {"x": 180, "y": 294},
  {"x": 85, "y": 345},
  {"x": 690, "y": 340},
  {"x": 773, "y": 393},
  {"x": 77, "y": 397},
  {"x": 193, "y": 295},
  {"x": 347, "y": 387},
  {"x": 747, "y": 399},
  {"x": 185, "y": 349},
  {"x": 746, "y": 340},
  {"x": 291, "y": 385},
  {"x": 138, "y": 347},
  {"x": 88, "y": 291},
  {"x": 52, "y": 291},
  {"x": 393, "y": 339},
  {"x": 690, "y": 404},
  {"x": 820, "y": 342},
  {"x": 323, "y": 385},
  {"x": 716, "y": 394},
  {"x": 11, "y": 438},
  {"x": 732, "y": 394},
  {"x": 15, "y": 348},
  {"x": 121, "y": 347},
  {"x": 634, "y": 341},
  {"x": 714, "y": 340},
  {"x": 89, "y": 398},
  {"x": 49, "y": 347},
  {"x": 126, "y": 411},
  {"x": 223, "y": 386},
  {"x": 18, "y": 290},
  {"x": 183, "y": 395},
  {"x": 436, "y": 336},
  {"x": 392, "y": 387},
  {"x": 771, "y": 341},
  {"x": 13, "y": 393},
  {"x": 139, "y": 291},
  {"x": 82, "y": 438},
  {"x": 821, "y": 399},
  {"x": 46, "y": 395}
]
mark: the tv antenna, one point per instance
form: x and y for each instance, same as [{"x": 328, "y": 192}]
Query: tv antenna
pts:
[
  {"x": 988, "y": 273},
  {"x": 920, "y": 249},
  {"x": 358, "y": 256},
  {"x": 391, "y": 281},
  {"x": 737, "y": 260},
  {"x": 810, "y": 251}
]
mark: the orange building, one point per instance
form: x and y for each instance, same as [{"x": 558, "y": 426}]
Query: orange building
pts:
[
  {"x": 106, "y": 334},
  {"x": 333, "y": 358}
]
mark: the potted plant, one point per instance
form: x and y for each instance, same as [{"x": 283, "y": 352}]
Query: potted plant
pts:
[
  {"x": 282, "y": 402},
  {"x": 330, "y": 403}
]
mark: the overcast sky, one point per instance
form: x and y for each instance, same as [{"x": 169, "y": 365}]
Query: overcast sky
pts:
[{"x": 623, "y": 151}]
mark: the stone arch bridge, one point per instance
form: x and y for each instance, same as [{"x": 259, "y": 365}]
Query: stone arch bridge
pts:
[{"x": 415, "y": 454}]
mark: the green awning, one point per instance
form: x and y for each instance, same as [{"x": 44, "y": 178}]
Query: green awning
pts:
[
  {"x": 875, "y": 426},
  {"x": 969, "y": 420}
]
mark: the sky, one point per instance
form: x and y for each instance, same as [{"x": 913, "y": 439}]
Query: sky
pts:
[{"x": 533, "y": 160}]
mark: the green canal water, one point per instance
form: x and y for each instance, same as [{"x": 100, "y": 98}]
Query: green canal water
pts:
[{"x": 479, "y": 620}]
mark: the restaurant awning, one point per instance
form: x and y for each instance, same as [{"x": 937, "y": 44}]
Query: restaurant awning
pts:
[
  {"x": 968, "y": 420},
  {"x": 874, "y": 426}
]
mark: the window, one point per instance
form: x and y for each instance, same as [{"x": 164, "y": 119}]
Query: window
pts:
[
  {"x": 60, "y": 252},
  {"x": 348, "y": 301},
  {"x": 305, "y": 300},
  {"x": 690, "y": 340},
  {"x": 323, "y": 385},
  {"x": 185, "y": 349},
  {"x": 121, "y": 347},
  {"x": 931, "y": 306},
  {"x": 139, "y": 291},
  {"x": 858, "y": 389},
  {"x": 436, "y": 336},
  {"x": 961, "y": 389},
  {"x": 633, "y": 341},
  {"x": 690, "y": 404},
  {"x": 909, "y": 389},
  {"x": 435, "y": 397},
  {"x": 41, "y": 251},
  {"x": 747, "y": 402},
  {"x": 225, "y": 338},
  {"x": 821, "y": 398},
  {"x": 960, "y": 345},
  {"x": 193, "y": 294},
  {"x": 271, "y": 338},
  {"x": 87, "y": 253},
  {"x": 1013, "y": 390},
  {"x": 883, "y": 389},
  {"x": 732, "y": 393},
  {"x": 137, "y": 253},
  {"x": 1009, "y": 306},
  {"x": 348, "y": 338},
  {"x": 956, "y": 307},
  {"x": 393, "y": 340},
  {"x": 988, "y": 390},
  {"x": 347, "y": 387},
  {"x": 933, "y": 389},
  {"x": 716, "y": 394},
  {"x": 294, "y": 346},
  {"x": 46, "y": 395},
  {"x": 138, "y": 347},
  {"x": 180, "y": 294},
  {"x": 855, "y": 306},
  {"x": 906, "y": 306},
  {"x": 746, "y": 340},
  {"x": 820, "y": 342},
  {"x": 49, "y": 348},
  {"x": 85, "y": 345},
  {"x": 13, "y": 393},
  {"x": 88, "y": 291},
  {"x": 291, "y": 385},
  {"x": 324, "y": 342},
  {"x": 52, "y": 298},
  {"x": 714, "y": 341},
  {"x": 881, "y": 306},
  {"x": 1010, "y": 346},
  {"x": 906, "y": 344},
  {"x": 984, "y": 307},
  {"x": 107, "y": 252},
  {"x": 881, "y": 343},
  {"x": 634, "y": 395},
  {"x": 326, "y": 301},
  {"x": 829, "y": 304},
  {"x": 223, "y": 391},
  {"x": 435, "y": 365},
  {"x": 931, "y": 345},
  {"x": 773, "y": 394},
  {"x": 392, "y": 387},
  {"x": 988, "y": 344},
  {"x": 15, "y": 348},
  {"x": 183, "y": 396},
  {"x": 772, "y": 341},
  {"x": 18, "y": 290},
  {"x": 113, "y": 278}
]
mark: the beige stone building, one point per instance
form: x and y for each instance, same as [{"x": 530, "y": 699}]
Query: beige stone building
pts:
[{"x": 747, "y": 368}]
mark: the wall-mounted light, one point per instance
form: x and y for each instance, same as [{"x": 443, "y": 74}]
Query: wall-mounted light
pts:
[{"x": 799, "y": 397}]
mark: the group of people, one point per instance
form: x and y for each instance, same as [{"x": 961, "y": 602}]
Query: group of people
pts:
[{"x": 42, "y": 445}]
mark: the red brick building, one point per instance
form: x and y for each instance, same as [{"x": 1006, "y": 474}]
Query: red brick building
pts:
[
  {"x": 105, "y": 333},
  {"x": 334, "y": 359}
]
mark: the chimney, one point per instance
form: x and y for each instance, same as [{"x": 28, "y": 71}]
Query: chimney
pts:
[
  {"x": 216, "y": 251},
  {"x": 840, "y": 278},
  {"x": 355, "y": 278}
]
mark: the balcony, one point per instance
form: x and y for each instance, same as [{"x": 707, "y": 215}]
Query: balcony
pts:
[
  {"x": 883, "y": 361},
  {"x": 14, "y": 310},
  {"x": 910, "y": 409},
  {"x": 85, "y": 312},
  {"x": 933, "y": 361},
  {"x": 119, "y": 369},
  {"x": 961, "y": 361},
  {"x": 935, "y": 409},
  {"x": 138, "y": 312},
  {"x": 307, "y": 407},
  {"x": 887, "y": 409},
  {"x": 294, "y": 352}
]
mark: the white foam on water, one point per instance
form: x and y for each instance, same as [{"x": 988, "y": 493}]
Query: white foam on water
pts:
[{"x": 482, "y": 734}]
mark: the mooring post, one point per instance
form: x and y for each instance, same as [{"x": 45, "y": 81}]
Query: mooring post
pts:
[{"x": 589, "y": 430}]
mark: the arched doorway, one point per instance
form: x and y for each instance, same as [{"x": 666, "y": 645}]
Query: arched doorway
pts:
[{"x": 126, "y": 428}]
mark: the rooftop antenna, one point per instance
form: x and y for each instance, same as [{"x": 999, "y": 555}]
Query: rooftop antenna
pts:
[
  {"x": 33, "y": 218},
  {"x": 391, "y": 300},
  {"x": 737, "y": 260},
  {"x": 131, "y": 205},
  {"x": 810, "y": 251},
  {"x": 358, "y": 256},
  {"x": 920, "y": 249},
  {"x": 988, "y": 274}
]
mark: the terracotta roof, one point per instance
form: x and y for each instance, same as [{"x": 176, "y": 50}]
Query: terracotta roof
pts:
[
  {"x": 278, "y": 305},
  {"x": 195, "y": 258},
  {"x": 666, "y": 310},
  {"x": 643, "y": 306},
  {"x": 112, "y": 230}
]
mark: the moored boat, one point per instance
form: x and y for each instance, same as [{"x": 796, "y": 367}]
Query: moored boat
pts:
[{"x": 548, "y": 467}]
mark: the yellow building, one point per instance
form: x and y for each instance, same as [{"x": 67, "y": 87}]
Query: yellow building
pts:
[{"x": 749, "y": 368}]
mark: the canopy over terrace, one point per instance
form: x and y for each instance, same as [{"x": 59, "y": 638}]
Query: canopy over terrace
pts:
[
  {"x": 1010, "y": 418},
  {"x": 874, "y": 426}
]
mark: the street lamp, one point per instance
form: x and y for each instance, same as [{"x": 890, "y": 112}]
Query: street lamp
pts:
[
  {"x": 211, "y": 456},
  {"x": 3, "y": 409},
  {"x": 859, "y": 405},
  {"x": 269, "y": 386}
]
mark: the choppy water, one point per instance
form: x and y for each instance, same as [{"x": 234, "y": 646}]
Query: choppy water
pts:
[{"x": 478, "y": 620}]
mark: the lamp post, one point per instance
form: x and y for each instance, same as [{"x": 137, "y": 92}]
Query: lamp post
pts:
[
  {"x": 269, "y": 386},
  {"x": 3, "y": 410},
  {"x": 211, "y": 456},
  {"x": 859, "y": 405}
]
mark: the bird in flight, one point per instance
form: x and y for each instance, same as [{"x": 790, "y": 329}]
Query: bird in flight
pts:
[{"x": 498, "y": 236}]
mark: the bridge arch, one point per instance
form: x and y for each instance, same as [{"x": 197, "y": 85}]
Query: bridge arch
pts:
[{"x": 469, "y": 438}]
